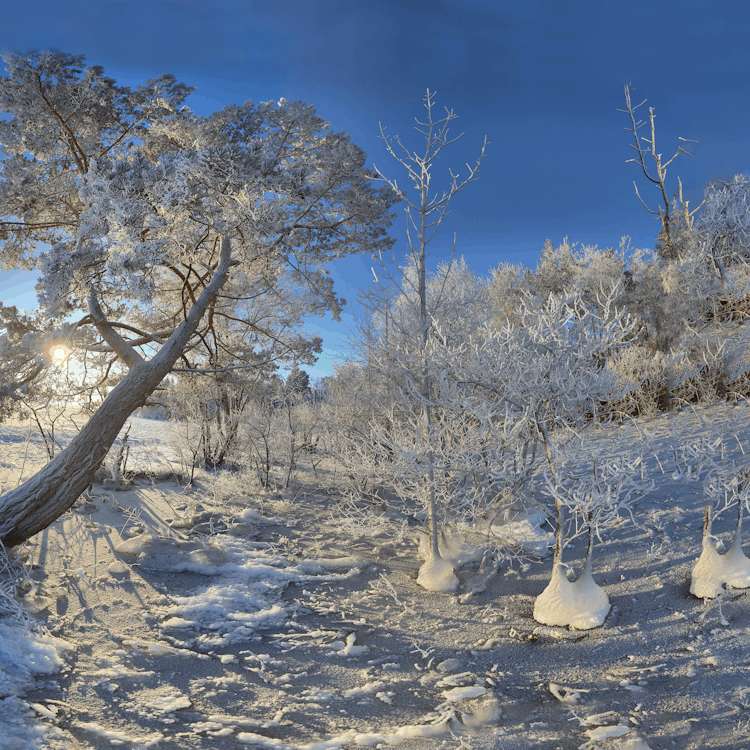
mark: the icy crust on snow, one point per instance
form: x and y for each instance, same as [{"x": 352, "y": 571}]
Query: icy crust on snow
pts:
[
  {"x": 714, "y": 570},
  {"x": 23, "y": 657},
  {"x": 581, "y": 604},
  {"x": 247, "y": 597}
]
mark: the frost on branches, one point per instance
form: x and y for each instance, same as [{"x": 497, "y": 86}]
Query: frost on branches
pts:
[
  {"x": 504, "y": 401},
  {"x": 512, "y": 397},
  {"x": 588, "y": 502},
  {"x": 164, "y": 227},
  {"x": 424, "y": 215},
  {"x": 725, "y": 486}
]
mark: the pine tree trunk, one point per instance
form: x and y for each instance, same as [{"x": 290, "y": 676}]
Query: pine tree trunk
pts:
[{"x": 43, "y": 498}]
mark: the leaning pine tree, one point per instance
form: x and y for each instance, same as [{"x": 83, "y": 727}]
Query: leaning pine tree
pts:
[{"x": 149, "y": 227}]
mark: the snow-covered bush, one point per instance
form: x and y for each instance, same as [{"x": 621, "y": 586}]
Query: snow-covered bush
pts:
[
  {"x": 501, "y": 401},
  {"x": 724, "y": 221},
  {"x": 682, "y": 308},
  {"x": 587, "y": 501},
  {"x": 726, "y": 486}
]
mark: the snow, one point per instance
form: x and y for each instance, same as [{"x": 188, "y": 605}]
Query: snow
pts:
[
  {"x": 581, "y": 604},
  {"x": 460, "y": 693},
  {"x": 526, "y": 532},
  {"x": 24, "y": 657},
  {"x": 348, "y": 648},
  {"x": 290, "y": 630},
  {"x": 115, "y": 737},
  {"x": 437, "y": 575},
  {"x": 714, "y": 570},
  {"x": 604, "y": 733}
]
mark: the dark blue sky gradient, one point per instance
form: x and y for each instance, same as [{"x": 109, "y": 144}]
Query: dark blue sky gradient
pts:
[{"x": 542, "y": 80}]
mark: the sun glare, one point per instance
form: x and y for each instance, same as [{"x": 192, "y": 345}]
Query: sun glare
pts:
[{"x": 58, "y": 354}]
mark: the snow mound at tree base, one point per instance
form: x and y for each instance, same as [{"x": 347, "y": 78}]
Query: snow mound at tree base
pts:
[
  {"x": 581, "y": 604},
  {"x": 437, "y": 575},
  {"x": 438, "y": 572},
  {"x": 714, "y": 570}
]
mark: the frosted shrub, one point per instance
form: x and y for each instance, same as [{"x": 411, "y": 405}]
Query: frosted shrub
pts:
[
  {"x": 209, "y": 410},
  {"x": 724, "y": 222},
  {"x": 586, "y": 502},
  {"x": 649, "y": 377},
  {"x": 725, "y": 486},
  {"x": 15, "y": 575},
  {"x": 519, "y": 393},
  {"x": 502, "y": 403}
]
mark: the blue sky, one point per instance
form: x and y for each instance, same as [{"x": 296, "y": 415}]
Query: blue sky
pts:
[{"x": 542, "y": 80}]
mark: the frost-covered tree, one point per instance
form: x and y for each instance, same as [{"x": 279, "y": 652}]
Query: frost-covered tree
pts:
[
  {"x": 150, "y": 225},
  {"x": 592, "y": 499},
  {"x": 407, "y": 345},
  {"x": 297, "y": 381},
  {"x": 666, "y": 244},
  {"x": 514, "y": 398}
]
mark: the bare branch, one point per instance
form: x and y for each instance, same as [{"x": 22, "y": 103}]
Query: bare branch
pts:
[{"x": 663, "y": 213}]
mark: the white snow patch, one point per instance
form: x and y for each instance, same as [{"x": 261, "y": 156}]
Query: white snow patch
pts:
[
  {"x": 348, "y": 648},
  {"x": 135, "y": 545},
  {"x": 597, "y": 734},
  {"x": 371, "y": 739},
  {"x": 21, "y": 729},
  {"x": 117, "y": 737},
  {"x": 168, "y": 701},
  {"x": 318, "y": 564},
  {"x": 461, "y": 693},
  {"x": 118, "y": 671},
  {"x": 633, "y": 743},
  {"x": 261, "y": 741},
  {"x": 369, "y": 688},
  {"x": 249, "y": 516},
  {"x": 25, "y": 655},
  {"x": 154, "y": 648},
  {"x": 714, "y": 569},
  {"x": 525, "y": 532},
  {"x": 580, "y": 604},
  {"x": 117, "y": 569}
]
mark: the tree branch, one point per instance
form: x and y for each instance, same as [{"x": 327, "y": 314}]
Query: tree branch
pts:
[{"x": 118, "y": 344}]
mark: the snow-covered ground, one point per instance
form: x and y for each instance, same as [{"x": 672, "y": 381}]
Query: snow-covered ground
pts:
[{"x": 223, "y": 618}]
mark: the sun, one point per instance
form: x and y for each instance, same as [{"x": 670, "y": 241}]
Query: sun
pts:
[{"x": 58, "y": 353}]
